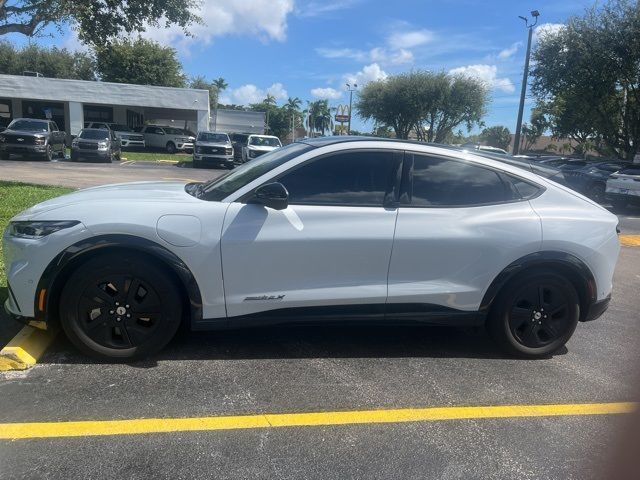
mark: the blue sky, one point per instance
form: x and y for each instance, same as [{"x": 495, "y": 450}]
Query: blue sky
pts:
[{"x": 310, "y": 48}]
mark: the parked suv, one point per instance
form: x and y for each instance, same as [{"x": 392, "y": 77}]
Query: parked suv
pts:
[
  {"x": 99, "y": 144},
  {"x": 169, "y": 138},
  {"x": 32, "y": 137},
  {"x": 128, "y": 138},
  {"x": 213, "y": 148},
  {"x": 259, "y": 145},
  {"x": 623, "y": 187}
]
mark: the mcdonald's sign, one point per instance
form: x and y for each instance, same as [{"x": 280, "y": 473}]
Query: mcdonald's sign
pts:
[{"x": 342, "y": 114}]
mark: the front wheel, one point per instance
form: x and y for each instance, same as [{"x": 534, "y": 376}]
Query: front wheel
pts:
[
  {"x": 171, "y": 148},
  {"x": 120, "y": 307},
  {"x": 48, "y": 154},
  {"x": 534, "y": 315}
]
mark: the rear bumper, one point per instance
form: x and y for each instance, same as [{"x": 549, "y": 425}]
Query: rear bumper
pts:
[{"x": 596, "y": 309}]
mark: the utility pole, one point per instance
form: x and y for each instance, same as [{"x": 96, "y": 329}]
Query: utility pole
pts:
[
  {"x": 351, "y": 90},
  {"x": 525, "y": 77}
]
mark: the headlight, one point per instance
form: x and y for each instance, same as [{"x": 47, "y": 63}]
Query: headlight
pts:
[
  {"x": 39, "y": 141},
  {"x": 252, "y": 153},
  {"x": 102, "y": 145},
  {"x": 229, "y": 151},
  {"x": 3, "y": 139},
  {"x": 74, "y": 142},
  {"x": 39, "y": 229}
]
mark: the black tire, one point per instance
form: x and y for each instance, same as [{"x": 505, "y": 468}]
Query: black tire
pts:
[
  {"x": 48, "y": 155},
  {"x": 112, "y": 286},
  {"x": 534, "y": 315},
  {"x": 171, "y": 148},
  {"x": 596, "y": 192},
  {"x": 62, "y": 151},
  {"x": 196, "y": 163},
  {"x": 73, "y": 156}
]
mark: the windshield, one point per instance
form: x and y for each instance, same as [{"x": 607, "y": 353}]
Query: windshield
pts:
[
  {"x": 95, "y": 134},
  {"x": 29, "y": 126},
  {"x": 224, "y": 186},
  {"x": 120, "y": 128},
  {"x": 173, "y": 131},
  {"x": 213, "y": 137},
  {"x": 264, "y": 141}
]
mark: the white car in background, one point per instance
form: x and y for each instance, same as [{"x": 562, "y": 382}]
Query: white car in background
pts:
[
  {"x": 623, "y": 187},
  {"x": 259, "y": 145},
  {"x": 128, "y": 138},
  {"x": 170, "y": 139},
  {"x": 335, "y": 229}
]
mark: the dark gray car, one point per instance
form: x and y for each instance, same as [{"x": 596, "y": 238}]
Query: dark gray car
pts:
[
  {"x": 32, "y": 137},
  {"x": 97, "y": 144},
  {"x": 213, "y": 148}
]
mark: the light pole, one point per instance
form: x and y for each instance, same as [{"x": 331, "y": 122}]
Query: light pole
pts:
[
  {"x": 351, "y": 90},
  {"x": 525, "y": 76}
]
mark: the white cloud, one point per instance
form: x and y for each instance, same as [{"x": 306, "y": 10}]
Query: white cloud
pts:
[
  {"x": 509, "y": 52},
  {"x": 328, "y": 93},
  {"x": 266, "y": 19},
  {"x": 547, "y": 29},
  {"x": 249, "y": 93},
  {"x": 368, "y": 74},
  {"x": 487, "y": 74},
  {"x": 411, "y": 39},
  {"x": 315, "y": 8},
  {"x": 376, "y": 55}
]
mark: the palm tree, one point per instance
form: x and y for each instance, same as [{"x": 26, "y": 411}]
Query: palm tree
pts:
[
  {"x": 220, "y": 84},
  {"x": 293, "y": 109},
  {"x": 320, "y": 117},
  {"x": 270, "y": 100}
]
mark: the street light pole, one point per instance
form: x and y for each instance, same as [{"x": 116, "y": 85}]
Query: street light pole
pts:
[
  {"x": 351, "y": 90},
  {"x": 525, "y": 77}
]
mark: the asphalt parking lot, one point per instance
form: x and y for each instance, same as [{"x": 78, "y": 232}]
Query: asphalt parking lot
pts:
[{"x": 313, "y": 369}]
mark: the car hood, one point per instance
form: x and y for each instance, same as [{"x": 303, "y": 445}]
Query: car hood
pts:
[
  {"x": 213, "y": 144},
  {"x": 262, "y": 148},
  {"x": 167, "y": 192},
  {"x": 24, "y": 132}
]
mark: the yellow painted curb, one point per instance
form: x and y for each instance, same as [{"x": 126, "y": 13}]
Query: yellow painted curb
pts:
[
  {"x": 15, "y": 431},
  {"x": 25, "y": 349},
  {"x": 629, "y": 240}
]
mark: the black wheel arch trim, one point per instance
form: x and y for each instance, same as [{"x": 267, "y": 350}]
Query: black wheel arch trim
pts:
[
  {"x": 587, "y": 290},
  {"x": 54, "y": 276}
]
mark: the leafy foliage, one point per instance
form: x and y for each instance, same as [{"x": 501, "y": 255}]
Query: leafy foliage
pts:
[
  {"x": 532, "y": 131},
  {"x": 319, "y": 118},
  {"x": 140, "y": 61},
  {"x": 431, "y": 104},
  {"x": 97, "y": 21},
  {"x": 50, "y": 62},
  {"x": 498, "y": 136},
  {"x": 587, "y": 76}
]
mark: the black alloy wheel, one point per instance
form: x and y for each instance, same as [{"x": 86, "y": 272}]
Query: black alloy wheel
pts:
[
  {"x": 48, "y": 155},
  {"x": 120, "y": 307},
  {"x": 535, "y": 315},
  {"x": 171, "y": 148}
]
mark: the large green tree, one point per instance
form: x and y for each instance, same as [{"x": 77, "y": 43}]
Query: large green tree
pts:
[
  {"x": 497, "y": 136},
  {"x": 431, "y": 104},
  {"x": 96, "y": 21},
  {"x": 141, "y": 62},
  {"x": 588, "y": 77},
  {"x": 50, "y": 62},
  {"x": 319, "y": 118}
]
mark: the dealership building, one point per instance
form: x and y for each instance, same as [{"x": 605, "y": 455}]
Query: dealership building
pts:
[{"x": 72, "y": 103}]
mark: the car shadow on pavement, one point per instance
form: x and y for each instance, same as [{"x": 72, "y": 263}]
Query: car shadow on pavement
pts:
[{"x": 308, "y": 342}]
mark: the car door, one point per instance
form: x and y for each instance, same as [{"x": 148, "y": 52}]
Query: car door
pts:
[
  {"x": 459, "y": 225},
  {"x": 330, "y": 247},
  {"x": 153, "y": 137}
]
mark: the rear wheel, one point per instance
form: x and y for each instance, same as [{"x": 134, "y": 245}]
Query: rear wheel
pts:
[
  {"x": 535, "y": 315},
  {"x": 120, "y": 307}
]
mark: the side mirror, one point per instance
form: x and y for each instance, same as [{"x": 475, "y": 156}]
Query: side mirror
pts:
[{"x": 272, "y": 195}]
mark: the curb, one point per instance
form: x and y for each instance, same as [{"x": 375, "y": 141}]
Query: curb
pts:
[
  {"x": 25, "y": 349},
  {"x": 629, "y": 240}
]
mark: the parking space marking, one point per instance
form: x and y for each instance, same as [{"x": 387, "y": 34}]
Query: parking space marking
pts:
[
  {"x": 629, "y": 240},
  {"x": 25, "y": 349},
  {"x": 17, "y": 431}
]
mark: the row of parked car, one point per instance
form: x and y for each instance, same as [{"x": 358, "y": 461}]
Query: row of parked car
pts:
[{"x": 604, "y": 181}]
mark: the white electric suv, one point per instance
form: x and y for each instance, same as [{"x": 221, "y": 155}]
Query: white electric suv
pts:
[{"x": 337, "y": 229}]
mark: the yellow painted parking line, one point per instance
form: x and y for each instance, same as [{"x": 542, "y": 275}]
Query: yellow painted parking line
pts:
[
  {"x": 25, "y": 349},
  {"x": 629, "y": 240},
  {"x": 16, "y": 431}
]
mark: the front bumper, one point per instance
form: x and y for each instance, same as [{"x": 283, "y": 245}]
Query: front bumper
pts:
[
  {"x": 632, "y": 196},
  {"x": 132, "y": 143},
  {"x": 77, "y": 153},
  {"x": 184, "y": 146},
  {"x": 18, "y": 149}
]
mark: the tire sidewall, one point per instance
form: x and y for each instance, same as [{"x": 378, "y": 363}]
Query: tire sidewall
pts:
[
  {"x": 144, "y": 269},
  {"x": 498, "y": 323}
]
